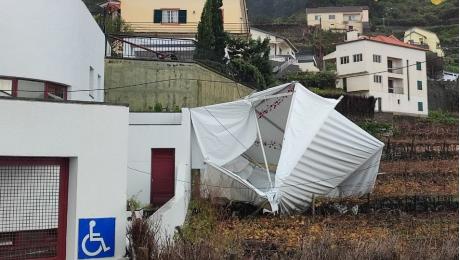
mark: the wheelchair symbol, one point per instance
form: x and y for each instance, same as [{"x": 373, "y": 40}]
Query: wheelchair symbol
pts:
[{"x": 93, "y": 238}]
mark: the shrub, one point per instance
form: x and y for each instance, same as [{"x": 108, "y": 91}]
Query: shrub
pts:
[
  {"x": 441, "y": 117},
  {"x": 321, "y": 80},
  {"x": 375, "y": 128},
  {"x": 158, "y": 107}
]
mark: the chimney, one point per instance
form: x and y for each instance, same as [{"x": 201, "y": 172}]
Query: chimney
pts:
[{"x": 352, "y": 35}]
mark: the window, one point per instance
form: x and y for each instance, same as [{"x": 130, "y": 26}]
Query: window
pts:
[
  {"x": 390, "y": 87},
  {"x": 419, "y": 85},
  {"x": 32, "y": 89},
  {"x": 420, "y": 106},
  {"x": 344, "y": 60},
  {"x": 170, "y": 16},
  {"x": 357, "y": 57},
  {"x": 351, "y": 18},
  {"x": 91, "y": 82},
  {"x": 317, "y": 17},
  {"x": 332, "y": 17},
  {"x": 419, "y": 65},
  {"x": 377, "y": 58},
  {"x": 6, "y": 86},
  {"x": 390, "y": 66},
  {"x": 377, "y": 78},
  {"x": 55, "y": 91}
]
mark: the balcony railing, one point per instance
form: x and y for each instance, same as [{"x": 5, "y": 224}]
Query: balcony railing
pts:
[{"x": 182, "y": 28}]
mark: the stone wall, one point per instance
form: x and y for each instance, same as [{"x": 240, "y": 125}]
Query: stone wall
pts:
[
  {"x": 443, "y": 95},
  {"x": 142, "y": 84}
]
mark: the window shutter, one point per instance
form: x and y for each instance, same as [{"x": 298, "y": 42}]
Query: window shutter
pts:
[
  {"x": 182, "y": 16},
  {"x": 157, "y": 16}
]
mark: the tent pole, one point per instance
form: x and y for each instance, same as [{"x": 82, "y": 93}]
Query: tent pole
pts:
[{"x": 263, "y": 153}]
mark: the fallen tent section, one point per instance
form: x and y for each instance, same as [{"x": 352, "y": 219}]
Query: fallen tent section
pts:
[{"x": 279, "y": 147}]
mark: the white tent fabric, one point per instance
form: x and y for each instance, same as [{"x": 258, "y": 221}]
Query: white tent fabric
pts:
[{"x": 310, "y": 149}]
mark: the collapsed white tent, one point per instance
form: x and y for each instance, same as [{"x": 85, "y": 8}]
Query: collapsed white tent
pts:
[{"x": 280, "y": 147}]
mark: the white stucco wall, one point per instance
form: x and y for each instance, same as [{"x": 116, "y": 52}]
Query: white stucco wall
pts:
[
  {"x": 53, "y": 41},
  {"x": 408, "y": 101},
  {"x": 94, "y": 137},
  {"x": 160, "y": 130}
]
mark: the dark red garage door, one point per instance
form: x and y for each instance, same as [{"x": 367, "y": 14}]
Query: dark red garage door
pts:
[
  {"x": 33, "y": 208},
  {"x": 162, "y": 180}
]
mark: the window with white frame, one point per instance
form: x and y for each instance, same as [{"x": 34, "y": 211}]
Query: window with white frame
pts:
[
  {"x": 170, "y": 16},
  {"x": 358, "y": 57},
  {"x": 377, "y": 58},
  {"x": 344, "y": 60},
  {"x": 317, "y": 17},
  {"x": 332, "y": 17},
  {"x": 377, "y": 78}
]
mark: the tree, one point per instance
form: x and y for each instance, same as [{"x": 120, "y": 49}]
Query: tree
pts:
[
  {"x": 211, "y": 36},
  {"x": 249, "y": 59}
]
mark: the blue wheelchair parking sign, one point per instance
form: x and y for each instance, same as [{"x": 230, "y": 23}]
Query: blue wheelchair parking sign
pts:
[{"x": 96, "y": 238}]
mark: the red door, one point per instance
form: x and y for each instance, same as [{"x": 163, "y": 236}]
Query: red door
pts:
[{"x": 162, "y": 177}]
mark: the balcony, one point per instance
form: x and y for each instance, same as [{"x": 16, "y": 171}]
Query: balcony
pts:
[
  {"x": 395, "y": 66},
  {"x": 395, "y": 86}
]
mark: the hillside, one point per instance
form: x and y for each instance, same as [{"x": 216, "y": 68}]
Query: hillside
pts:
[{"x": 280, "y": 15}]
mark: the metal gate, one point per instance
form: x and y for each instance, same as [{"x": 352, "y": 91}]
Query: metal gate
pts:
[{"x": 33, "y": 208}]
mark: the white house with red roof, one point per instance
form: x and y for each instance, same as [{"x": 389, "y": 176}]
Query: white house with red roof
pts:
[{"x": 382, "y": 66}]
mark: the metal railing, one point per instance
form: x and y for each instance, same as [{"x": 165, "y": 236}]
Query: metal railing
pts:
[
  {"x": 182, "y": 28},
  {"x": 151, "y": 48}
]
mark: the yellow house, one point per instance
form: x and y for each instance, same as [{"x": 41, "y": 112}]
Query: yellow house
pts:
[
  {"x": 179, "y": 17},
  {"x": 339, "y": 18},
  {"x": 424, "y": 38}
]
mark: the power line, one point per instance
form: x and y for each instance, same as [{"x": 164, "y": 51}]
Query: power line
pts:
[{"x": 212, "y": 81}]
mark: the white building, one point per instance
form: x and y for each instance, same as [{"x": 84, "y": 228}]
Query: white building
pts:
[
  {"x": 392, "y": 71},
  {"x": 283, "y": 52},
  {"x": 159, "y": 163},
  {"x": 63, "y": 157},
  {"x": 449, "y": 76},
  {"x": 339, "y": 18},
  {"x": 50, "y": 50},
  {"x": 281, "y": 49},
  {"x": 61, "y": 163}
]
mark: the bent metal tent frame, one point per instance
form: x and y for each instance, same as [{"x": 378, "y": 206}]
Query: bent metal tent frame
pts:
[{"x": 279, "y": 147}]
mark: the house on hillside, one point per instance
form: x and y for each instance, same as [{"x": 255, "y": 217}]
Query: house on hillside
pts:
[
  {"x": 340, "y": 18},
  {"x": 180, "y": 18},
  {"x": 424, "y": 39},
  {"x": 382, "y": 66},
  {"x": 284, "y": 55},
  {"x": 61, "y": 144},
  {"x": 281, "y": 49}
]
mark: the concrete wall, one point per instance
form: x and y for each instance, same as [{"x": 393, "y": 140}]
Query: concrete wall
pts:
[
  {"x": 53, "y": 41},
  {"x": 160, "y": 130},
  {"x": 172, "y": 84},
  {"x": 94, "y": 137},
  {"x": 405, "y": 102}
]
